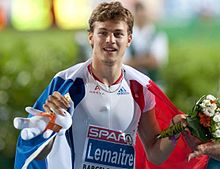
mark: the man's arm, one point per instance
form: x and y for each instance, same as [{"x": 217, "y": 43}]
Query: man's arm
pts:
[
  {"x": 157, "y": 150},
  {"x": 212, "y": 149},
  {"x": 25, "y": 148}
]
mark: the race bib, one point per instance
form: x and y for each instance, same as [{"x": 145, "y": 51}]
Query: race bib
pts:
[{"x": 108, "y": 149}]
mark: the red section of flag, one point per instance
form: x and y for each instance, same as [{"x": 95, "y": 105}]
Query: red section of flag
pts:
[
  {"x": 137, "y": 93},
  {"x": 165, "y": 110}
]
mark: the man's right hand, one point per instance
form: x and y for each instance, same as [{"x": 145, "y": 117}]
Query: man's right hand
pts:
[{"x": 56, "y": 118}]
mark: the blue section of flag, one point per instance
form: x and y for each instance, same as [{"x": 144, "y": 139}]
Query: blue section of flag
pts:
[
  {"x": 25, "y": 148},
  {"x": 110, "y": 154}
]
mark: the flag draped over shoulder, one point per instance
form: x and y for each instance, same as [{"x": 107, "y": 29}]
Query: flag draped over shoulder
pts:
[{"x": 165, "y": 110}]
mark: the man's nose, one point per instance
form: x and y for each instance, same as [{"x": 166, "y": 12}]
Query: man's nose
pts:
[{"x": 110, "y": 38}]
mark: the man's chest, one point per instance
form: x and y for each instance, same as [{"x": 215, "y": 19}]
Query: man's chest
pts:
[{"x": 112, "y": 108}]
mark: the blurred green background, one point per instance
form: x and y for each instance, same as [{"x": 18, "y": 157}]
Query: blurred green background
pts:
[{"x": 28, "y": 61}]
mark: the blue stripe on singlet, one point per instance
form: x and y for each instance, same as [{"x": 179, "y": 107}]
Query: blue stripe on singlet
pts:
[{"x": 77, "y": 93}]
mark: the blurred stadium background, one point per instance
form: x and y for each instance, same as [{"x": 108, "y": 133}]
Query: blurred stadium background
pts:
[{"x": 37, "y": 39}]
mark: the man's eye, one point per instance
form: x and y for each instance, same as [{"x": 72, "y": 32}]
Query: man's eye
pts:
[
  {"x": 103, "y": 33},
  {"x": 118, "y": 34}
]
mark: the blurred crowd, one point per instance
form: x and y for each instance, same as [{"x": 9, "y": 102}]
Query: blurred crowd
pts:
[{"x": 43, "y": 14}]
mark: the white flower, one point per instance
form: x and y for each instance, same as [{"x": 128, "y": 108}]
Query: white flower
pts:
[
  {"x": 216, "y": 117},
  {"x": 217, "y": 125},
  {"x": 205, "y": 103},
  {"x": 210, "y": 97},
  {"x": 208, "y": 108},
  {"x": 217, "y": 133}
]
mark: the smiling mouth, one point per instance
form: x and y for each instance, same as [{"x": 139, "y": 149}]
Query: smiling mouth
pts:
[{"x": 109, "y": 49}]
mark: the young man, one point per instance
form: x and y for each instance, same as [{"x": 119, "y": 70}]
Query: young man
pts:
[{"x": 111, "y": 101}]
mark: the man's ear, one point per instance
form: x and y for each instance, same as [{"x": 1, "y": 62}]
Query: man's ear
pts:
[
  {"x": 90, "y": 38},
  {"x": 129, "y": 40}
]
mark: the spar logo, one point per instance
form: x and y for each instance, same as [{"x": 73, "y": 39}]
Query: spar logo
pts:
[
  {"x": 109, "y": 135},
  {"x": 106, "y": 147}
]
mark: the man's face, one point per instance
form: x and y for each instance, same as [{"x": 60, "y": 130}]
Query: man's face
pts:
[{"x": 109, "y": 41}]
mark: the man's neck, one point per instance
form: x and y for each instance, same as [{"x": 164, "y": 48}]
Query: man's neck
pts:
[{"x": 108, "y": 75}]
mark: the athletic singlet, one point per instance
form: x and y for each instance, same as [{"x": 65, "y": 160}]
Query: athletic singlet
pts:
[{"x": 105, "y": 120}]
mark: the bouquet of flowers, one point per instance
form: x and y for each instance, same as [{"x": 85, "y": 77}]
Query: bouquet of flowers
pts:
[{"x": 203, "y": 122}]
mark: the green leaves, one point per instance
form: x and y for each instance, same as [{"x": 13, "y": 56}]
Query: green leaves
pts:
[
  {"x": 28, "y": 61},
  {"x": 197, "y": 129},
  {"x": 218, "y": 102},
  {"x": 196, "y": 108}
]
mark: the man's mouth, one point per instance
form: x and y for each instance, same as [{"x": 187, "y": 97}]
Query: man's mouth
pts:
[{"x": 110, "y": 49}]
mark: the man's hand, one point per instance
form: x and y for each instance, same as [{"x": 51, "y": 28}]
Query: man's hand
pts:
[
  {"x": 56, "y": 102},
  {"x": 212, "y": 149},
  {"x": 176, "y": 119},
  {"x": 56, "y": 118}
]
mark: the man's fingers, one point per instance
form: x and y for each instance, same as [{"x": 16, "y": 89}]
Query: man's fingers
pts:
[
  {"x": 62, "y": 99},
  {"x": 178, "y": 118},
  {"x": 194, "y": 155},
  {"x": 50, "y": 107},
  {"x": 55, "y": 103},
  {"x": 200, "y": 150},
  {"x": 46, "y": 108}
]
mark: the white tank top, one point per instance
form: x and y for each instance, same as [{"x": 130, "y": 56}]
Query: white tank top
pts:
[{"x": 104, "y": 126}]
